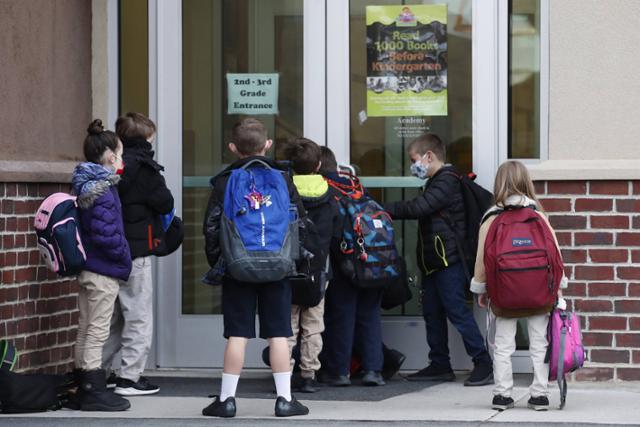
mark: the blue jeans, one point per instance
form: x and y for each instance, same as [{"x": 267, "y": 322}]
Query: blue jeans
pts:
[
  {"x": 444, "y": 298},
  {"x": 352, "y": 317}
]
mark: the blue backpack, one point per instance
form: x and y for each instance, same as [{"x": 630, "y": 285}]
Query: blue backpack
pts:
[
  {"x": 58, "y": 232},
  {"x": 259, "y": 225},
  {"x": 367, "y": 254}
]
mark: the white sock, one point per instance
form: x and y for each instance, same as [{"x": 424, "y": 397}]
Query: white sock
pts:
[
  {"x": 283, "y": 384},
  {"x": 228, "y": 386}
]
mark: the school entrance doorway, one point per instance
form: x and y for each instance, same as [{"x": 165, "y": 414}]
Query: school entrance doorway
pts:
[{"x": 302, "y": 67}]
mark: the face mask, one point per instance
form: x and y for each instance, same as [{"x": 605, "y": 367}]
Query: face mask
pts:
[{"x": 419, "y": 170}]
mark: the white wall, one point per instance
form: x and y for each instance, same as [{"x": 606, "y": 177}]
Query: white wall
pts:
[{"x": 594, "y": 86}]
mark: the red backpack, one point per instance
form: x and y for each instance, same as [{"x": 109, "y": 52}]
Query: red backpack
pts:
[{"x": 523, "y": 264}]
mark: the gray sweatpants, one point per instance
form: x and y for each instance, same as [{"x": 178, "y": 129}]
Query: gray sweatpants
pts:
[{"x": 132, "y": 322}]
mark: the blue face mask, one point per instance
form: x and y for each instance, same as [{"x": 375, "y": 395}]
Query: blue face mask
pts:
[{"x": 419, "y": 170}]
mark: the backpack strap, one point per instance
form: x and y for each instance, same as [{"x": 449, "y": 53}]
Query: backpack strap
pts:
[
  {"x": 254, "y": 161},
  {"x": 562, "y": 380},
  {"x": 9, "y": 355}
]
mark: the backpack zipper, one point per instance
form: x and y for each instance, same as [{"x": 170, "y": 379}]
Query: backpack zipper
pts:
[{"x": 542, "y": 267}]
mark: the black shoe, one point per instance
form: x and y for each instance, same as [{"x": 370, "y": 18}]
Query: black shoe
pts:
[
  {"x": 94, "y": 396},
  {"x": 372, "y": 378},
  {"x": 393, "y": 361},
  {"x": 308, "y": 385},
  {"x": 217, "y": 408},
  {"x": 112, "y": 380},
  {"x": 540, "y": 403},
  {"x": 501, "y": 403},
  {"x": 143, "y": 387},
  {"x": 433, "y": 373},
  {"x": 482, "y": 374},
  {"x": 291, "y": 408},
  {"x": 334, "y": 380}
]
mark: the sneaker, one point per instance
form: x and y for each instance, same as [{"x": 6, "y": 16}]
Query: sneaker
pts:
[
  {"x": 501, "y": 403},
  {"x": 290, "y": 408},
  {"x": 112, "y": 380},
  {"x": 540, "y": 403},
  {"x": 218, "y": 408},
  {"x": 334, "y": 380},
  {"x": 482, "y": 374},
  {"x": 372, "y": 378},
  {"x": 308, "y": 385},
  {"x": 143, "y": 387},
  {"x": 433, "y": 373}
]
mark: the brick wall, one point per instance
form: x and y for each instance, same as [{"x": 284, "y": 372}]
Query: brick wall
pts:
[
  {"x": 598, "y": 226},
  {"x": 38, "y": 310},
  {"x": 597, "y": 223}
]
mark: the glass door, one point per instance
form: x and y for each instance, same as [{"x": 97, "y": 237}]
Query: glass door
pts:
[
  {"x": 239, "y": 58},
  {"x": 410, "y": 72}
]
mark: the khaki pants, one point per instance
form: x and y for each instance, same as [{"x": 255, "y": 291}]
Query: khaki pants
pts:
[
  {"x": 505, "y": 345},
  {"x": 309, "y": 321},
  {"x": 132, "y": 322},
  {"x": 96, "y": 299}
]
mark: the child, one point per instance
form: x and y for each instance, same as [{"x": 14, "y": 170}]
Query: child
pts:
[
  {"x": 250, "y": 143},
  {"x": 444, "y": 277},
  {"x": 352, "y": 316},
  {"x": 108, "y": 260},
  {"x": 145, "y": 199},
  {"x": 322, "y": 210},
  {"x": 513, "y": 187}
]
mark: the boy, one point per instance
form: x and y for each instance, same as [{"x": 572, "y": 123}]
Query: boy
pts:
[
  {"x": 249, "y": 143},
  {"x": 145, "y": 199},
  {"x": 323, "y": 212},
  {"x": 352, "y": 316},
  {"x": 444, "y": 277}
]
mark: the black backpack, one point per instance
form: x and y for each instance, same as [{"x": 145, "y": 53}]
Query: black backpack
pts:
[
  {"x": 23, "y": 393},
  {"x": 310, "y": 283},
  {"x": 477, "y": 201}
]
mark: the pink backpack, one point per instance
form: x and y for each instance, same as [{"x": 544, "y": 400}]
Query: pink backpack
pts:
[
  {"x": 566, "y": 352},
  {"x": 57, "y": 229}
]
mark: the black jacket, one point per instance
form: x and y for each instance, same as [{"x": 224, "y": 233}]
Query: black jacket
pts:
[
  {"x": 442, "y": 198},
  {"x": 323, "y": 212},
  {"x": 211, "y": 225},
  {"x": 144, "y": 196}
]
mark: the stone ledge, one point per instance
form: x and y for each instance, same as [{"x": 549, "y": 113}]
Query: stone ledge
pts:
[
  {"x": 588, "y": 170},
  {"x": 36, "y": 171}
]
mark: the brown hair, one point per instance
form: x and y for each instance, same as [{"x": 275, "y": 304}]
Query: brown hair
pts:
[
  {"x": 512, "y": 179},
  {"x": 304, "y": 155},
  {"x": 249, "y": 136},
  {"x": 428, "y": 142},
  {"x": 98, "y": 141},
  {"x": 328, "y": 159},
  {"x": 134, "y": 125}
]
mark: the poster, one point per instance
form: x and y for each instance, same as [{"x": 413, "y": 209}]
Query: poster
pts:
[
  {"x": 252, "y": 94},
  {"x": 407, "y": 60}
]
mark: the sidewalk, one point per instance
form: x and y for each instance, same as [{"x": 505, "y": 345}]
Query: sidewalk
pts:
[{"x": 443, "y": 404}]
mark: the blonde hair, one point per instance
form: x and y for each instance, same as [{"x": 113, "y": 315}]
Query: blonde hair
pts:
[{"x": 513, "y": 179}]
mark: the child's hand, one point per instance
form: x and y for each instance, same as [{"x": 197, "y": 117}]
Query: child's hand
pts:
[{"x": 482, "y": 300}]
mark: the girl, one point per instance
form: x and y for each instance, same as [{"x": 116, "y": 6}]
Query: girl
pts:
[
  {"x": 108, "y": 260},
  {"x": 513, "y": 187}
]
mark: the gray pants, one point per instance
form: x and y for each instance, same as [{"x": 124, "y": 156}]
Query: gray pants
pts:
[{"x": 132, "y": 323}]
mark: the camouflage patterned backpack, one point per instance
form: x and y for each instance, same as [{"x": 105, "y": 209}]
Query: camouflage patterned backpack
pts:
[{"x": 367, "y": 254}]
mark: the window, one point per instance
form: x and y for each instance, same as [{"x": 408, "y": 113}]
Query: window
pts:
[{"x": 524, "y": 81}]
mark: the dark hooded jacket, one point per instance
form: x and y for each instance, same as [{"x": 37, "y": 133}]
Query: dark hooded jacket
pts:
[
  {"x": 102, "y": 229},
  {"x": 324, "y": 214},
  {"x": 145, "y": 197},
  {"x": 439, "y": 205},
  {"x": 211, "y": 225}
]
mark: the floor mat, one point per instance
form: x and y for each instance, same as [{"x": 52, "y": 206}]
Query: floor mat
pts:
[{"x": 263, "y": 388}]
